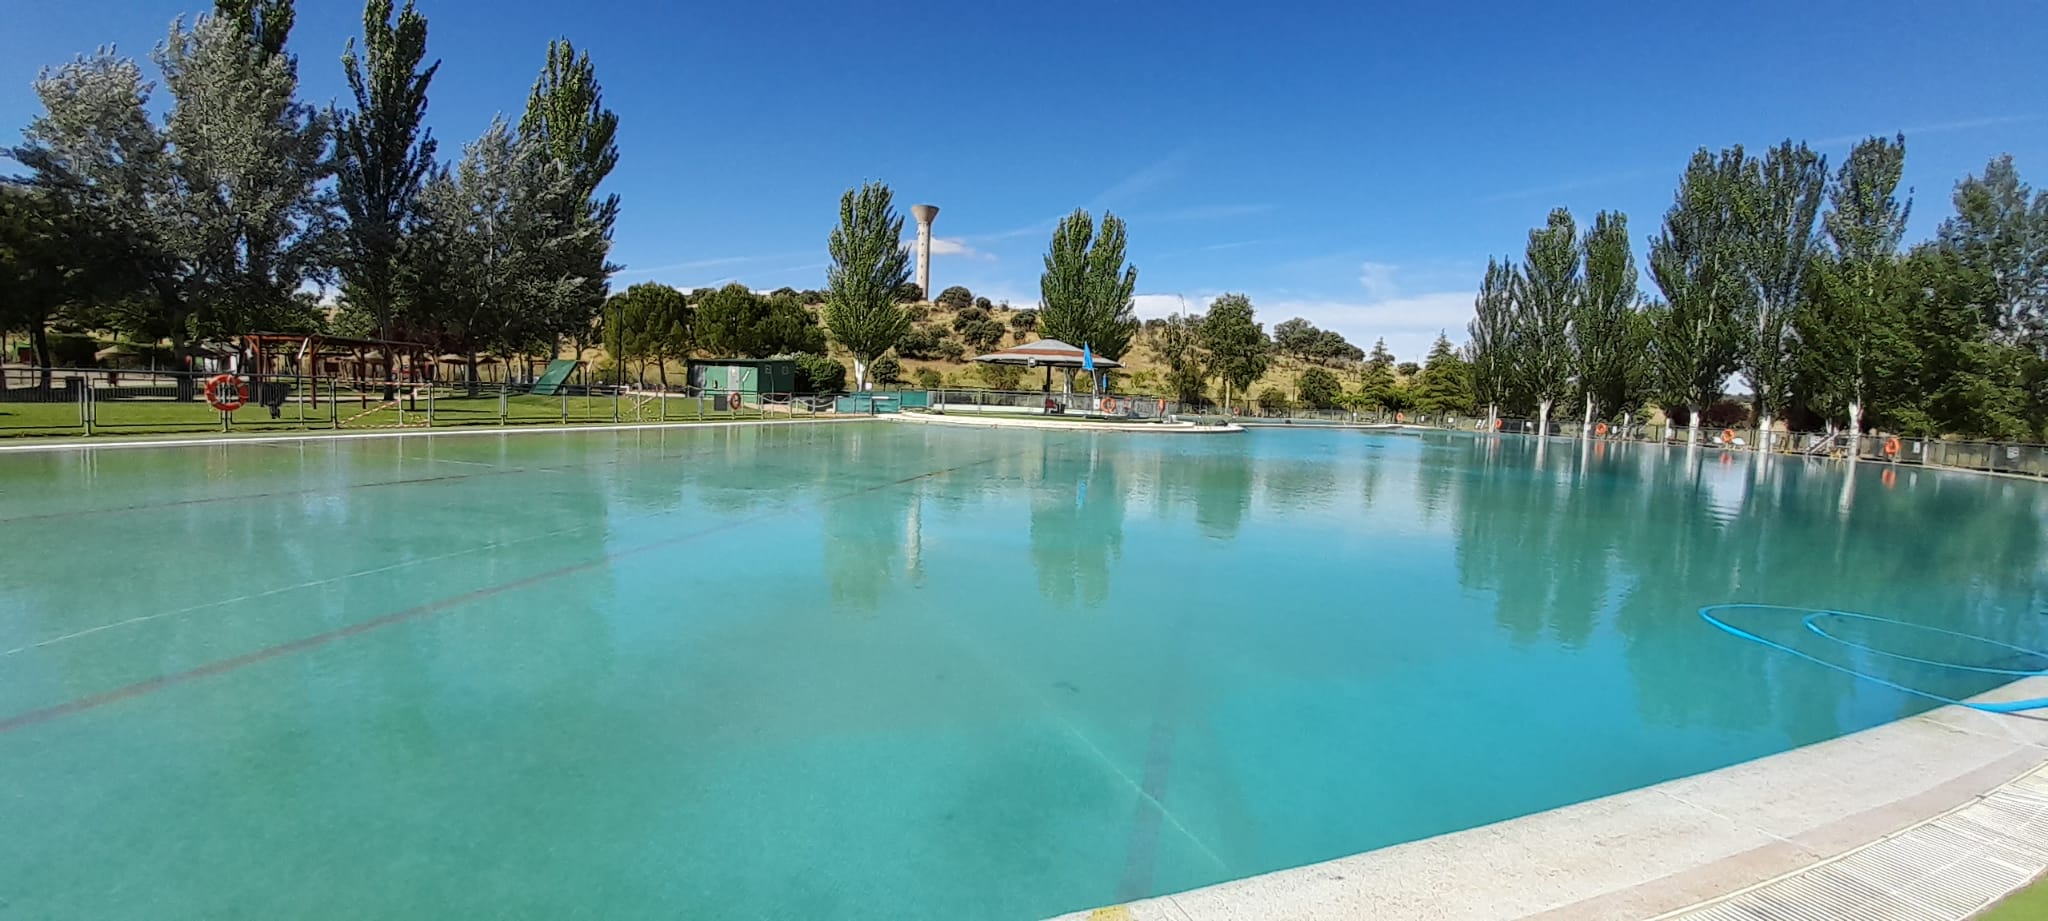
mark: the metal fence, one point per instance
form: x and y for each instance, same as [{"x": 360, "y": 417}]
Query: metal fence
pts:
[
  {"x": 69, "y": 401},
  {"x": 1984, "y": 456}
]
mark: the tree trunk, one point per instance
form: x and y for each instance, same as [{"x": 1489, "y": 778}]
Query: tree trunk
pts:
[
  {"x": 180, "y": 353},
  {"x": 661, "y": 369},
  {"x": 1692, "y": 431},
  {"x": 39, "y": 339},
  {"x": 1543, "y": 419},
  {"x": 1855, "y": 430},
  {"x": 472, "y": 373},
  {"x": 1586, "y": 426},
  {"x": 1763, "y": 433},
  {"x": 860, "y": 374}
]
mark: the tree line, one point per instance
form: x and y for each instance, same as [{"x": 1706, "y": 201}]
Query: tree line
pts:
[
  {"x": 1228, "y": 345},
  {"x": 228, "y": 214},
  {"x": 1793, "y": 278}
]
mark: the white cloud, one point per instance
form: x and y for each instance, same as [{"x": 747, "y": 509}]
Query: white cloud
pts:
[
  {"x": 942, "y": 246},
  {"x": 1378, "y": 279}
]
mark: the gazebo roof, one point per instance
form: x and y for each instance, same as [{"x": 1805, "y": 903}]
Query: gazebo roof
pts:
[{"x": 1045, "y": 353}]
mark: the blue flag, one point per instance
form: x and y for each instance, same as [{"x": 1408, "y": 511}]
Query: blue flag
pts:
[{"x": 1087, "y": 358}]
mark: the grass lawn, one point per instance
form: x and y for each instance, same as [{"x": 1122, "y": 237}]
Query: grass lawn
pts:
[
  {"x": 156, "y": 416},
  {"x": 2029, "y": 904}
]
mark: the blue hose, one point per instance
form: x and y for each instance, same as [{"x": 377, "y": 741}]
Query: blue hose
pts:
[{"x": 1813, "y": 614}]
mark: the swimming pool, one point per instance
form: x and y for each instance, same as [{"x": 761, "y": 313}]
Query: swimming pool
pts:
[{"x": 875, "y": 670}]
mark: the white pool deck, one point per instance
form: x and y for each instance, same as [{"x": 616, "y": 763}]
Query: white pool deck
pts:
[{"x": 1930, "y": 817}]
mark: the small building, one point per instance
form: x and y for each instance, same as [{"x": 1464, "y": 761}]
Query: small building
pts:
[{"x": 743, "y": 375}]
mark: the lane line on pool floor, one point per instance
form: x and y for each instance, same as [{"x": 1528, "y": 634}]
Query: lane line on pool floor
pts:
[{"x": 151, "y": 685}]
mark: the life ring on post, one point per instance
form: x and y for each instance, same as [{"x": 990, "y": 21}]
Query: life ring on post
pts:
[
  {"x": 1600, "y": 429},
  {"x": 1891, "y": 446},
  {"x": 732, "y": 400},
  {"x": 226, "y": 392},
  {"x": 1727, "y": 436},
  {"x": 1109, "y": 404},
  {"x": 1400, "y": 417},
  {"x": 1496, "y": 425},
  {"x": 1162, "y": 407}
]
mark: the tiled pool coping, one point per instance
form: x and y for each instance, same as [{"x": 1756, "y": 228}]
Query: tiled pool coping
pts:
[{"x": 1660, "y": 849}]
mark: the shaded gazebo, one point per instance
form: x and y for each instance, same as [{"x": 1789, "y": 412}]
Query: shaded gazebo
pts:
[{"x": 1047, "y": 354}]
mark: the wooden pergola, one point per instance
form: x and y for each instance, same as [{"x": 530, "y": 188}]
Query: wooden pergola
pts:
[{"x": 365, "y": 363}]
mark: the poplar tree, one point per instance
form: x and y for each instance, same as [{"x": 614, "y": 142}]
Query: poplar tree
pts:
[
  {"x": 868, "y": 264},
  {"x": 384, "y": 156},
  {"x": 1546, "y": 301},
  {"x": 1608, "y": 353},
  {"x": 1085, "y": 293},
  {"x": 1780, "y": 199},
  {"x": 1697, "y": 261}
]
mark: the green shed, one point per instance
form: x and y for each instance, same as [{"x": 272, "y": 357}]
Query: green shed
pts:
[{"x": 745, "y": 375}]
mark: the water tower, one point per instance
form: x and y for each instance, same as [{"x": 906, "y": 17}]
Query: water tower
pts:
[{"x": 924, "y": 215}]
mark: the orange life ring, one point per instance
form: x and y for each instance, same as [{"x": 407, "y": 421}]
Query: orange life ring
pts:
[
  {"x": 1891, "y": 446},
  {"x": 1600, "y": 429},
  {"x": 226, "y": 392},
  {"x": 1496, "y": 425},
  {"x": 1727, "y": 436},
  {"x": 1162, "y": 407},
  {"x": 1109, "y": 404},
  {"x": 732, "y": 400},
  {"x": 1400, "y": 417}
]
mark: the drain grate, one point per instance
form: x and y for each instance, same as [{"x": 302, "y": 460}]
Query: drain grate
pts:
[{"x": 1944, "y": 869}]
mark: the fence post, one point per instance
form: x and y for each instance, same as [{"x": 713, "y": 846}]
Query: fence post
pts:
[
  {"x": 565, "y": 405},
  {"x": 615, "y": 402},
  {"x": 333, "y": 407},
  {"x": 85, "y": 407}
]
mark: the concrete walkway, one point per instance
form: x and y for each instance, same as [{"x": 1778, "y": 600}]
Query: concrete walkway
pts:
[{"x": 1899, "y": 795}]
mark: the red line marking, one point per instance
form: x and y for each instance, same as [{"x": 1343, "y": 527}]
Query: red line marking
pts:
[{"x": 317, "y": 640}]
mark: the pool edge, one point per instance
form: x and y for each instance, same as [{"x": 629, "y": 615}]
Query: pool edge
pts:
[
  {"x": 1662, "y": 849},
  {"x": 34, "y": 443}
]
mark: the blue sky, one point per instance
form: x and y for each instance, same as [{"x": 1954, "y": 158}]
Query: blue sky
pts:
[{"x": 1351, "y": 163}]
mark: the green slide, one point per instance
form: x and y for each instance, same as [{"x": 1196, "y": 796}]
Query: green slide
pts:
[{"x": 551, "y": 380}]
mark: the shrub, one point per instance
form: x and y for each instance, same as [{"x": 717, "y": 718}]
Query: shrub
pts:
[
  {"x": 885, "y": 371},
  {"x": 919, "y": 342},
  {"x": 1319, "y": 389},
  {"x": 819, "y": 374},
  {"x": 1274, "y": 402},
  {"x": 984, "y": 304},
  {"x": 1001, "y": 377},
  {"x": 955, "y": 298},
  {"x": 928, "y": 379},
  {"x": 951, "y": 350}
]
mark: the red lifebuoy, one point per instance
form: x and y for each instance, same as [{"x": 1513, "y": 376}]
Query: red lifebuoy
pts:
[
  {"x": 1400, "y": 417},
  {"x": 1109, "y": 404},
  {"x": 1891, "y": 446},
  {"x": 1162, "y": 407},
  {"x": 226, "y": 392},
  {"x": 732, "y": 400},
  {"x": 1496, "y": 425},
  {"x": 1727, "y": 436},
  {"x": 1600, "y": 429}
]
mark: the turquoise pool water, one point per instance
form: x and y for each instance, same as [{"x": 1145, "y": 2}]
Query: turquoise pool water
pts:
[{"x": 878, "y": 670}]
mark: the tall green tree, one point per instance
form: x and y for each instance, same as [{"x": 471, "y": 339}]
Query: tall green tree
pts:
[
  {"x": 1698, "y": 262},
  {"x": 1493, "y": 347},
  {"x": 1377, "y": 386},
  {"x": 1999, "y": 233},
  {"x": 498, "y": 250},
  {"x": 383, "y": 156},
  {"x": 566, "y": 117},
  {"x": 220, "y": 215},
  {"x": 1546, "y": 302},
  {"x": 1780, "y": 201},
  {"x": 267, "y": 24},
  {"x": 1238, "y": 349},
  {"x": 1085, "y": 293},
  {"x": 1179, "y": 344},
  {"x": 1854, "y": 331},
  {"x": 1608, "y": 355},
  {"x": 52, "y": 259},
  {"x": 869, "y": 264}
]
